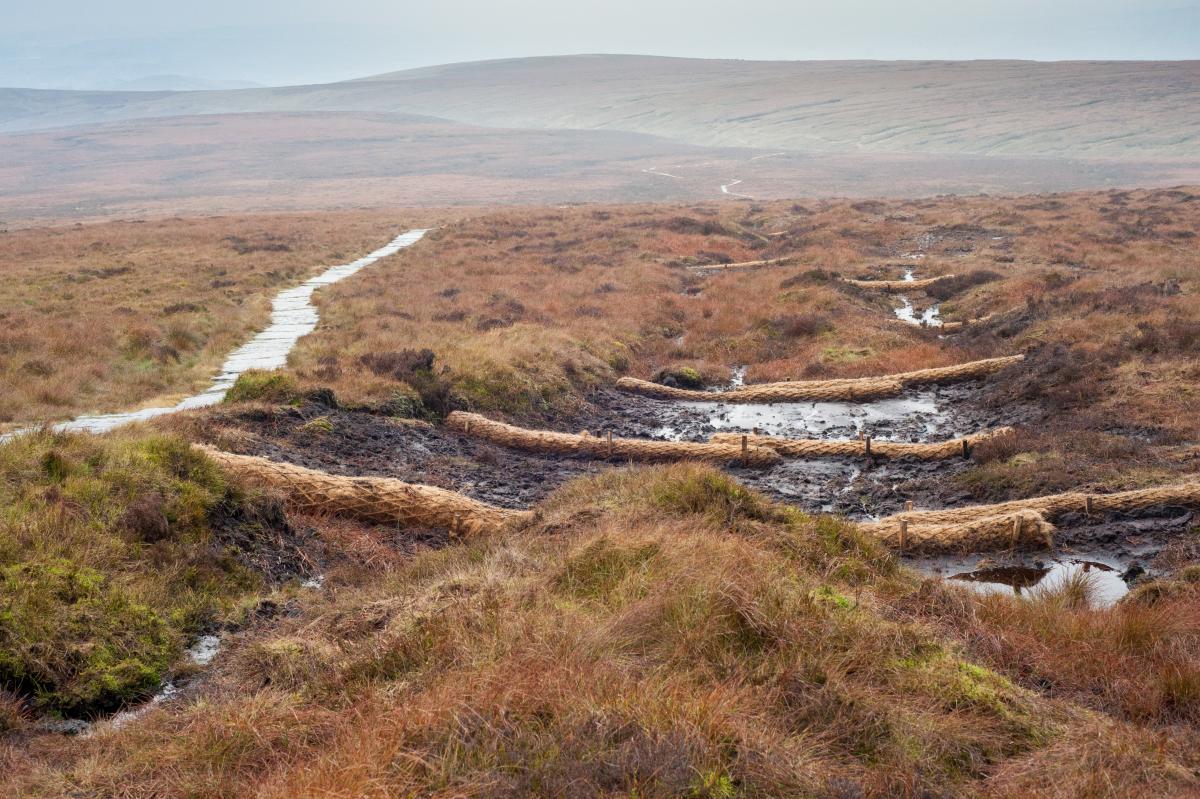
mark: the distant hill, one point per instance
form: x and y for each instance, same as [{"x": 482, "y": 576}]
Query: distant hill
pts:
[
  {"x": 178, "y": 83},
  {"x": 1102, "y": 110},
  {"x": 602, "y": 128}
]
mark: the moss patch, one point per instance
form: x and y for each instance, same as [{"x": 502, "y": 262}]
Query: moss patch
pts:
[
  {"x": 260, "y": 386},
  {"x": 108, "y": 564}
]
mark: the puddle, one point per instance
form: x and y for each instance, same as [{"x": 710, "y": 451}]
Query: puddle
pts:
[
  {"x": 1104, "y": 578},
  {"x": 918, "y": 414},
  {"x": 204, "y": 650},
  {"x": 292, "y": 316},
  {"x": 930, "y": 317}
]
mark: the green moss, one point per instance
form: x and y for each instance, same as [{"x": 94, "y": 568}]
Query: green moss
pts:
[
  {"x": 839, "y": 353},
  {"x": 260, "y": 386},
  {"x": 713, "y": 784},
  {"x": 600, "y": 567},
  {"x": 827, "y": 596},
  {"x": 108, "y": 564},
  {"x": 708, "y": 492},
  {"x": 78, "y": 641}
]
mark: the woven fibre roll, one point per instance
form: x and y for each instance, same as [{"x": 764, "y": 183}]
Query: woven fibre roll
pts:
[
  {"x": 805, "y": 391},
  {"x": 375, "y": 499},
  {"x": 1186, "y": 493},
  {"x": 741, "y": 265},
  {"x": 896, "y": 285},
  {"x": 1001, "y": 531},
  {"x": 960, "y": 371},
  {"x": 817, "y": 448},
  {"x": 620, "y": 449}
]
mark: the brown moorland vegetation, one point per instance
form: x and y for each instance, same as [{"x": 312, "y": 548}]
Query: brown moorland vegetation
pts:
[
  {"x": 662, "y": 632},
  {"x": 657, "y": 631},
  {"x": 523, "y": 312},
  {"x": 106, "y": 317}
]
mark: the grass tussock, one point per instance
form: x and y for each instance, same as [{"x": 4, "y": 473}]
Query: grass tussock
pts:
[
  {"x": 660, "y": 632},
  {"x": 1137, "y": 661},
  {"x": 663, "y": 632},
  {"x": 110, "y": 560}
]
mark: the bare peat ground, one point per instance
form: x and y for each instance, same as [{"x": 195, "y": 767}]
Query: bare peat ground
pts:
[{"x": 495, "y": 326}]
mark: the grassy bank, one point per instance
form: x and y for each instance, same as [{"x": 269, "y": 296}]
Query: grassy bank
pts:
[
  {"x": 662, "y": 632},
  {"x": 114, "y": 553}
]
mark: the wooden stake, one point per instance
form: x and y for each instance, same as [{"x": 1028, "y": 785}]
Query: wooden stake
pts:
[
  {"x": 1016, "y": 531},
  {"x": 903, "y": 534},
  {"x": 1088, "y": 505},
  {"x": 610, "y": 447},
  {"x": 745, "y": 446},
  {"x": 966, "y": 449},
  {"x": 868, "y": 440},
  {"x": 908, "y": 504}
]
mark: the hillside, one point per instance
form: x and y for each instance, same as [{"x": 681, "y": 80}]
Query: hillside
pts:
[
  {"x": 1124, "y": 110},
  {"x": 230, "y": 163}
]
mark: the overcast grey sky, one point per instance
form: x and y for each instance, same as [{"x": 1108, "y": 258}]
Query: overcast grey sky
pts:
[{"x": 82, "y": 42}]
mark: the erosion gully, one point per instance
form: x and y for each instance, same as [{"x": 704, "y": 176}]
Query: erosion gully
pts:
[{"x": 1113, "y": 552}]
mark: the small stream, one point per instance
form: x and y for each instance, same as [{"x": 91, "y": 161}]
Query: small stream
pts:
[
  {"x": 292, "y": 316},
  {"x": 201, "y": 653},
  {"x": 930, "y": 317}
]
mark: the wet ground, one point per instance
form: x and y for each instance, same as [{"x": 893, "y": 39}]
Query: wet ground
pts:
[
  {"x": 367, "y": 444},
  {"x": 1109, "y": 549}
]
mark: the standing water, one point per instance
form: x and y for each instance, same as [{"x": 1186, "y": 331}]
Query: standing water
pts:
[
  {"x": 931, "y": 317},
  {"x": 292, "y": 316}
]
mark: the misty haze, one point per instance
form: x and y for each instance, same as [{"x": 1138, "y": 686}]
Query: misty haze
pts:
[{"x": 647, "y": 399}]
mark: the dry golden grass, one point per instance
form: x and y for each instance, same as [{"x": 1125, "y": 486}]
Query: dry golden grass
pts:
[
  {"x": 527, "y": 311},
  {"x": 110, "y": 316},
  {"x": 530, "y": 309},
  {"x": 664, "y": 632}
]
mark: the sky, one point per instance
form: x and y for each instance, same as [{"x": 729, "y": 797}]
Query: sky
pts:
[{"x": 86, "y": 44}]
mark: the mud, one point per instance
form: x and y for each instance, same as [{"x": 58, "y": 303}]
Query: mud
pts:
[{"x": 360, "y": 443}]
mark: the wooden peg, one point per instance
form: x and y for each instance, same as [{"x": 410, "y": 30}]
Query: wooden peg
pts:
[
  {"x": 745, "y": 446},
  {"x": 903, "y": 534},
  {"x": 1088, "y": 506},
  {"x": 966, "y": 449},
  {"x": 868, "y": 443},
  {"x": 610, "y": 446},
  {"x": 908, "y": 504}
]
